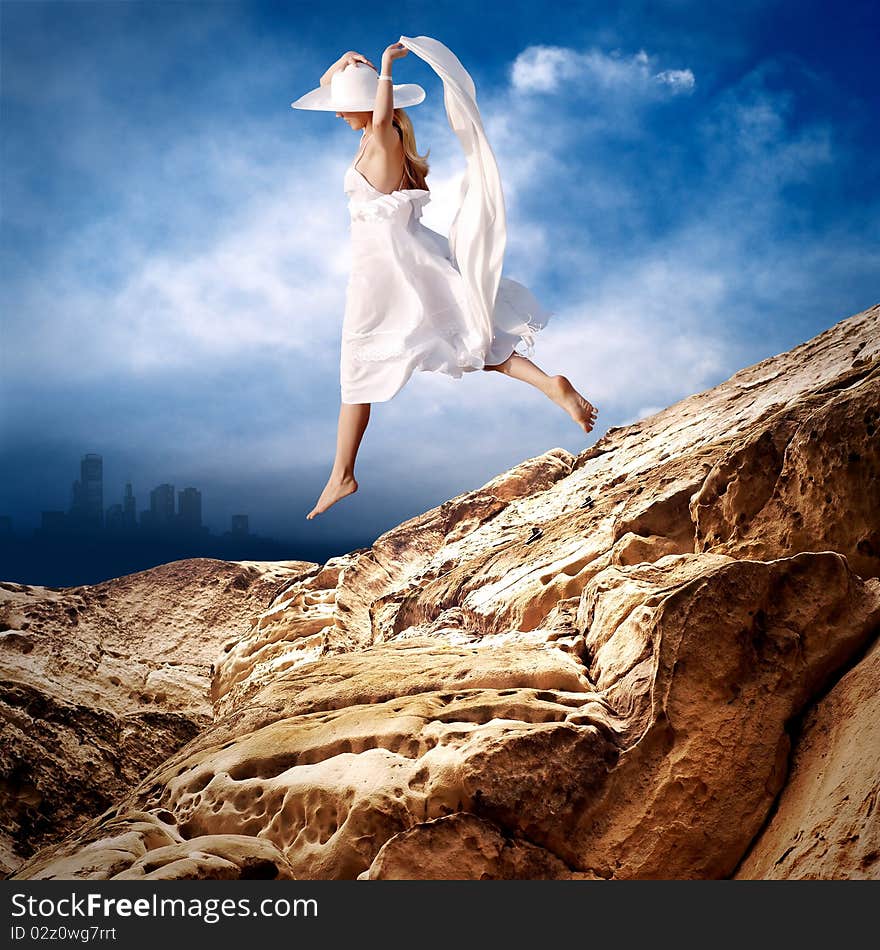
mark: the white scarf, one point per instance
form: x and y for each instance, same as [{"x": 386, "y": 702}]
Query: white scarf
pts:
[{"x": 478, "y": 235}]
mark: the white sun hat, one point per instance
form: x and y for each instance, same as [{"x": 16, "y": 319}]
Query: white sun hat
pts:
[{"x": 353, "y": 89}]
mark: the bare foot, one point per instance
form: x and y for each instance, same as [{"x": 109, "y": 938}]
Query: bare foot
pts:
[
  {"x": 584, "y": 413},
  {"x": 335, "y": 489}
]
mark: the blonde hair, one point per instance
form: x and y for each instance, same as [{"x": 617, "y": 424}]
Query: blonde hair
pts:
[{"x": 416, "y": 166}]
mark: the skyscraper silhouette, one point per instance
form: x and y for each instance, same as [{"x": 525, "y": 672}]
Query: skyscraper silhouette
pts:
[
  {"x": 161, "y": 516},
  {"x": 189, "y": 509},
  {"x": 129, "y": 509},
  {"x": 87, "y": 503}
]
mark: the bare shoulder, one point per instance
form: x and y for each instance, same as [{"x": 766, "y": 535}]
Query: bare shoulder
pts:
[{"x": 388, "y": 139}]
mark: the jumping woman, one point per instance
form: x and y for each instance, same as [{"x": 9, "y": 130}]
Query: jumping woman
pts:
[{"x": 417, "y": 300}]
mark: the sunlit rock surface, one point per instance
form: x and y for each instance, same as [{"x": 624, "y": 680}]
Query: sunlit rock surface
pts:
[{"x": 100, "y": 683}]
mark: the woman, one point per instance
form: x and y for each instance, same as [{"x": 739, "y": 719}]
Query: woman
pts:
[{"x": 415, "y": 299}]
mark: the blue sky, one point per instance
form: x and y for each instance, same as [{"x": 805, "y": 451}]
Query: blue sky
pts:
[{"x": 691, "y": 187}]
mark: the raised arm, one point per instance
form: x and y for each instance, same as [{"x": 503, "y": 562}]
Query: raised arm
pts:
[
  {"x": 350, "y": 57},
  {"x": 383, "y": 110}
]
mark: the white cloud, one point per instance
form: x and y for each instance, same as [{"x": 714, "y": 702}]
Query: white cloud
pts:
[
  {"x": 542, "y": 68},
  {"x": 679, "y": 80},
  {"x": 546, "y": 68},
  {"x": 271, "y": 279}
]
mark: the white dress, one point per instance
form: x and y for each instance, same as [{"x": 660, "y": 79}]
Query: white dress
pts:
[{"x": 417, "y": 300}]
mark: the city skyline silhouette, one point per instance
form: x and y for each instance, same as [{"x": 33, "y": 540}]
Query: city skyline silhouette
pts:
[
  {"x": 89, "y": 540},
  {"x": 86, "y": 512}
]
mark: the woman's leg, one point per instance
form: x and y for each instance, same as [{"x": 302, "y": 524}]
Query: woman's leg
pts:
[
  {"x": 557, "y": 388},
  {"x": 353, "y": 419}
]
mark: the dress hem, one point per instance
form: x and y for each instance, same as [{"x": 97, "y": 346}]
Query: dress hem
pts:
[{"x": 528, "y": 338}]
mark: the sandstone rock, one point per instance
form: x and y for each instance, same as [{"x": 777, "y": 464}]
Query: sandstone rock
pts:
[
  {"x": 587, "y": 668},
  {"x": 462, "y": 847},
  {"x": 665, "y": 766},
  {"x": 810, "y": 482},
  {"x": 298, "y": 627},
  {"x": 144, "y": 846},
  {"x": 728, "y": 656},
  {"x": 826, "y": 822},
  {"x": 100, "y": 683}
]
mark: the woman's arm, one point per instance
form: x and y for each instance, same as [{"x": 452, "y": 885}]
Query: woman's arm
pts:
[
  {"x": 383, "y": 110},
  {"x": 350, "y": 57}
]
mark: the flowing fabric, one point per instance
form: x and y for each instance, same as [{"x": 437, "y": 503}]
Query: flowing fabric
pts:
[
  {"x": 478, "y": 234},
  {"x": 417, "y": 300}
]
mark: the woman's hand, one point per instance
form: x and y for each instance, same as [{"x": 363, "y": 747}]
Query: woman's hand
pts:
[
  {"x": 394, "y": 51},
  {"x": 352, "y": 57},
  {"x": 346, "y": 59}
]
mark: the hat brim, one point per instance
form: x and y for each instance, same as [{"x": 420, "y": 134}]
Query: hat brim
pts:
[{"x": 320, "y": 100}]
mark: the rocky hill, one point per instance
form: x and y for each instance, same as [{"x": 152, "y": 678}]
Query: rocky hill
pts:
[
  {"x": 656, "y": 659},
  {"x": 101, "y": 683}
]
